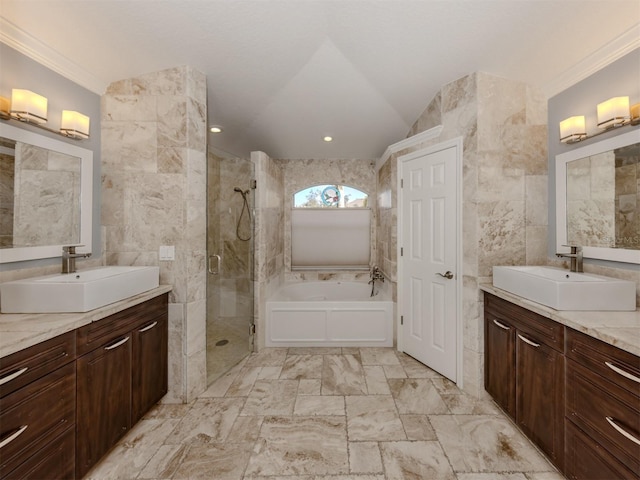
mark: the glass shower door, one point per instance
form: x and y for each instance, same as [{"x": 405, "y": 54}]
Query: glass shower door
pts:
[{"x": 230, "y": 253}]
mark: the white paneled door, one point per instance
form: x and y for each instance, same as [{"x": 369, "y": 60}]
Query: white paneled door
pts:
[{"x": 428, "y": 264}]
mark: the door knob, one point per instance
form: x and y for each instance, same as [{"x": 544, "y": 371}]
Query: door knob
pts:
[{"x": 446, "y": 274}]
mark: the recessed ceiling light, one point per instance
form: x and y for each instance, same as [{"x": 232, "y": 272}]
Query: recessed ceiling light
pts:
[
  {"x": 327, "y": 138},
  {"x": 215, "y": 129}
]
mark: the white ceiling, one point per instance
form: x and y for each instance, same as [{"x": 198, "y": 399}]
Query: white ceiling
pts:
[{"x": 283, "y": 73}]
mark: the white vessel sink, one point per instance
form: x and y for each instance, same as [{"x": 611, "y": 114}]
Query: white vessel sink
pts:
[
  {"x": 76, "y": 292},
  {"x": 564, "y": 290}
]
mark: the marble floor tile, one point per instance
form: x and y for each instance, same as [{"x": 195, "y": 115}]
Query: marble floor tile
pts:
[
  {"x": 373, "y": 418},
  {"x": 165, "y": 462},
  {"x": 319, "y": 405},
  {"x": 209, "y": 421},
  {"x": 243, "y": 383},
  {"x": 315, "y": 351},
  {"x": 297, "y": 367},
  {"x": 269, "y": 357},
  {"x": 376, "y": 380},
  {"x": 379, "y": 356},
  {"x": 364, "y": 457},
  {"x": 394, "y": 371},
  {"x": 327, "y": 414},
  {"x": 419, "y": 460},
  {"x": 133, "y": 452},
  {"x": 417, "y": 395},
  {"x": 464, "y": 404},
  {"x": 269, "y": 373},
  {"x": 343, "y": 375},
  {"x": 486, "y": 443},
  {"x": 418, "y": 427},
  {"x": 271, "y": 397},
  {"x": 219, "y": 461},
  {"x": 300, "y": 446},
  {"x": 310, "y": 386}
]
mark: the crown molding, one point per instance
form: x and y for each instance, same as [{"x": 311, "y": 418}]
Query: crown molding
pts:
[
  {"x": 409, "y": 142},
  {"x": 30, "y": 46},
  {"x": 609, "y": 53}
]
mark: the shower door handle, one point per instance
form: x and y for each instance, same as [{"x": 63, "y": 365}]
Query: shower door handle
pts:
[{"x": 210, "y": 265}]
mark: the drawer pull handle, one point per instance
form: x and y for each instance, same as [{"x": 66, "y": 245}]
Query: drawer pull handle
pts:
[
  {"x": 148, "y": 327},
  {"x": 116, "y": 345},
  {"x": 622, "y": 431},
  {"x": 619, "y": 371},
  {"x": 11, "y": 376},
  {"x": 526, "y": 340},
  {"x": 13, "y": 436},
  {"x": 501, "y": 325}
]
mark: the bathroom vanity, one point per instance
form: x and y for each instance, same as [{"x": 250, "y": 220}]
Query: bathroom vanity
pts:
[
  {"x": 569, "y": 380},
  {"x": 65, "y": 401}
]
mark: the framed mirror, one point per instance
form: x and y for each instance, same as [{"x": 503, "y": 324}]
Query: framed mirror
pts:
[
  {"x": 46, "y": 192},
  {"x": 598, "y": 199}
]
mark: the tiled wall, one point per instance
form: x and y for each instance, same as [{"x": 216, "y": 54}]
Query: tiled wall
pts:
[
  {"x": 503, "y": 126},
  {"x": 269, "y": 233},
  {"x": 154, "y": 193}
]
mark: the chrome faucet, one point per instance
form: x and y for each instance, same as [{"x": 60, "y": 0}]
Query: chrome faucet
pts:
[
  {"x": 69, "y": 256},
  {"x": 575, "y": 256},
  {"x": 375, "y": 274}
]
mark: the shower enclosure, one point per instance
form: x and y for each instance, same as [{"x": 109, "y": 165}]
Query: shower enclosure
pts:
[{"x": 230, "y": 254}]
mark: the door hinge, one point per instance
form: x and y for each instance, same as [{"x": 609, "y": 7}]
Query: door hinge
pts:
[
  {"x": 402, "y": 183},
  {"x": 401, "y": 319},
  {"x": 401, "y": 251}
]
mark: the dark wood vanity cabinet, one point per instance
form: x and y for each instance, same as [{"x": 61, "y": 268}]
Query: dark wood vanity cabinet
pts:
[
  {"x": 33, "y": 381},
  {"x": 524, "y": 372},
  {"x": 122, "y": 373},
  {"x": 602, "y": 410}
]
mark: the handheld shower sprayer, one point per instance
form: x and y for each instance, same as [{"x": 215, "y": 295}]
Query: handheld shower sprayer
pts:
[{"x": 245, "y": 205}]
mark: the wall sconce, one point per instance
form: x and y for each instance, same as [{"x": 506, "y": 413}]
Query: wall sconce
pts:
[
  {"x": 74, "y": 125},
  {"x": 612, "y": 113},
  {"x": 573, "y": 129},
  {"x": 29, "y": 107}
]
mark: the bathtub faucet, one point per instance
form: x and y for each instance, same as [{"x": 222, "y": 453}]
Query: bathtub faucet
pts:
[{"x": 375, "y": 274}]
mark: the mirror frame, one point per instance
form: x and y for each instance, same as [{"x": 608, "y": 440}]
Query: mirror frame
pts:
[
  {"x": 603, "y": 253},
  {"x": 17, "y": 254}
]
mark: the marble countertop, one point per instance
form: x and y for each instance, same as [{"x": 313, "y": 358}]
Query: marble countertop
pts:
[
  {"x": 22, "y": 330},
  {"x": 621, "y": 329}
]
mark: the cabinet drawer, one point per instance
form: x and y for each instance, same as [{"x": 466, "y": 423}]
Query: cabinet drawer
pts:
[
  {"x": 33, "y": 416},
  {"x": 619, "y": 367},
  {"x": 56, "y": 461},
  {"x": 25, "y": 366},
  {"x": 606, "y": 412},
  {"x": 586, "y": 460},
  {"x": 103, "y": 331},
  {"x": 543, "y": 329}
]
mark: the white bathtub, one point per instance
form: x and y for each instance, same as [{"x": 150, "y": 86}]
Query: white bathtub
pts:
[{"x": 329, "y": 314}]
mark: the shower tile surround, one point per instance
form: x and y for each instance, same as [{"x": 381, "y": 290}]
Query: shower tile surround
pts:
[{"x": 154, "y": 193}]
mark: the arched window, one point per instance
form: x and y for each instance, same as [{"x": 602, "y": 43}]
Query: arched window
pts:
[{"x": 330, "y": 196}]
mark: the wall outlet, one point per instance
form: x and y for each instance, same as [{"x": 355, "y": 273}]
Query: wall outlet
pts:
[{"x": 167, "y": 252}]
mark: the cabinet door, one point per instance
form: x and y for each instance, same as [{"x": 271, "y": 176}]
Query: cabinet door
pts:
[
  {"x": 499, "y": 371},
  {"x": 104, "y": 401},
  {"x": 149, "y": 375},
  {"x": 540, "y": 395}
]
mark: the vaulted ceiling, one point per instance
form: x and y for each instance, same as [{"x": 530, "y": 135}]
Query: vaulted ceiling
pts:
[{"x": 283, "y": 73}]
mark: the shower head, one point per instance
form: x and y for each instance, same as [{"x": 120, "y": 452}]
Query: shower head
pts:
[{"x": 237, "y": 189}]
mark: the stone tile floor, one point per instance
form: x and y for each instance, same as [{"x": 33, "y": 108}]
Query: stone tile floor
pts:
[{"x": 327, "y": 414}]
